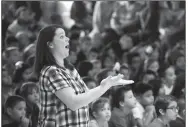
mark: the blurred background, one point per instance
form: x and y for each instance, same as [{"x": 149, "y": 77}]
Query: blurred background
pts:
[{"x": 144, "y": 40}]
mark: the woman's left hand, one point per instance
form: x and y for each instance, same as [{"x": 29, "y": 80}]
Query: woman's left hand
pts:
[{"x": 116, "y": 80}]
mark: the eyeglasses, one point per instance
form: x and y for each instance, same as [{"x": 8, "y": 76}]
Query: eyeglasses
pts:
[{"x": 174, "y": 108}]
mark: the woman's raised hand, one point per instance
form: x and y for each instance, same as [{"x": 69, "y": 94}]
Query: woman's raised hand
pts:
[{"x": 116, "y": 80}]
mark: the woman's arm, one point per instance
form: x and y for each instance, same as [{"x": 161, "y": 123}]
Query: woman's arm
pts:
[{"x": 74, "y": 102}]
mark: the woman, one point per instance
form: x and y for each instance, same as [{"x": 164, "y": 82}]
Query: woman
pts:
[{"x": 64, "y": 96}]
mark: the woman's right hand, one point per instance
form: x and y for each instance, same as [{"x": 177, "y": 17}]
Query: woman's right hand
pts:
[{"x": 116, "y": 80}]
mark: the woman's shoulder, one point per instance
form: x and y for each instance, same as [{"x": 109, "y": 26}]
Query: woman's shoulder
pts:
[{"x": 50, "y": 69}]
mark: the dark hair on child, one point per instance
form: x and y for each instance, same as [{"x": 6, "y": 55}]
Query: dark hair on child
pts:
[
  {"x": 13, "y": 100},
  {"x": 26, "y": 88},
  {"x": 10, "y": 39},
  {"x": 181, "y": 104},
  {"x": 19, "y": 10},
  {"x": 99, "y": 103},
  {"x": 156, "y": 85},
  {"x": 84, "y": 67},
  {"x": 87, "y": 79},
  {"x": 17, "y": 76},
  {"x": 150, "y": 61},
  {"x": 124, "y": 66},
  {"x": 148, "y": 72},
  {"x": 141, "y": 88},
  {"x": 162, "y": 102},
  {"x": 119, "y": 94},
  {"x": 131, "y": 55},
  {"x": 103, "y": 74},
  {"x": 179, "y": 85},
  {"x": 93, "y": 49},
  {"x": 9, "y": 49}
]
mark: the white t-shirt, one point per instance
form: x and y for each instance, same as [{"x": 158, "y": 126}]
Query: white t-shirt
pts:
[{"x": 168, "y": 90}]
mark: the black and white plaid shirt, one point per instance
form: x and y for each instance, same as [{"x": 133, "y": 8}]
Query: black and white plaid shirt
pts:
[{"x": 54, "y": 113}]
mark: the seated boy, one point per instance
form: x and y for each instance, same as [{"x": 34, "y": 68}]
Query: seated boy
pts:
[
  {"x": 144, "y": 112},
  {"x": 15, "y": 107},
  {"x": 123, "y": 102},
  {"x": 180, "y": 121},
  {"x": 166, "y": 109}
]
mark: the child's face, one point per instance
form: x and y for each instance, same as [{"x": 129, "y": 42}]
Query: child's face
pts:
[
  {"x": 72, "y": 57},
  {"x": 92, "y": 56},
  {"x": 91, "y": 85},
  {"x": 155, "y": 54},
  {"x": 108, "y": 62},
  {"x": 104, "y": 113},
  {"x": 147, "y": 98},
  {"x": 129, "y": 100},
  {"x": 14, "y": 56},
  {"x": 154, "y": 66},
  {"x": 170, "y": 75},
  {"x": 33, "y": 97},
  {"x": 27, "y": 15},
  {"x": 126, "y": 42},
  {"x": 180, "y": 63},
  {"x": 148, "y": 77},
  {"x": 111, "y": 53},
  {"x": 26, "y": 74},
  {"x": 172, "y": 112},
  {"x": 136, "y": 62},
  {"x": 125, "y": 72},
  {"x": 6, "y": 78},
  {"x": 85, "y": 44},
  {"x": 18, "y": 111}
]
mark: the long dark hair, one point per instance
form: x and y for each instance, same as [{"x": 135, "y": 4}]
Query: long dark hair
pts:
[{"x": 43, "y": 54}]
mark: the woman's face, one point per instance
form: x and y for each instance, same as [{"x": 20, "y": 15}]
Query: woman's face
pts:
[
  {"x": 60, "y": 44},
  {"x": 154, "y": 66}
]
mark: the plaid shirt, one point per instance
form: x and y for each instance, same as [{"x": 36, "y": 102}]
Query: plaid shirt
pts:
[{"x": 54, "y": 113}]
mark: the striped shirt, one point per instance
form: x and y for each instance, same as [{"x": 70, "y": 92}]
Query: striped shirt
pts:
[{"x": 54, "y": 113}]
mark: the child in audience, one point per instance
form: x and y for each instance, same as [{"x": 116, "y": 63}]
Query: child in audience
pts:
[
  {"x": 11, "y": 41},
  {"x": 123, "y": 102},
  {"x": 169, "y": 79},
  {"x": 180, "y": 121},
  {"x": 166, "y": 109},
  {"x": 22, "y": 73},
  {"x": 158, "y": 88},
  {"x": 147, "y": 76},
  {"x": 96, "y": 68},
  {"x": 90, "y": 82},
  {"x": 12, "y": 55},
  {"x": 144, "y": 112},
  {"x": 15, "y": 108},
  {"x": 152, "y": 65},
  {"x": 124, "y": 69},
  {"x": 101, "y": 113},
  {"x": 30, "y": 92}
]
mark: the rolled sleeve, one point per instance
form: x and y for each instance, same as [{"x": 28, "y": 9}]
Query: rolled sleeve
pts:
[{"x": 57, "y": 80}]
